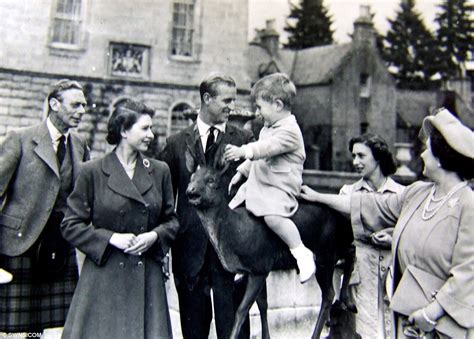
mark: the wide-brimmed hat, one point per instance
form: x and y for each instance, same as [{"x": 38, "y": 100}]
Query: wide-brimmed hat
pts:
[{"x": 458, "y": 136}]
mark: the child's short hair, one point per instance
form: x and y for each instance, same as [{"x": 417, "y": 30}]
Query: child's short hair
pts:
[{"x": 275, "y": 86}]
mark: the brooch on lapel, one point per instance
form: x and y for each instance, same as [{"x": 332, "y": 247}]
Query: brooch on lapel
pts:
[
  {"x": 453, "y": 202},
  {"x": 146, "y": 163}
]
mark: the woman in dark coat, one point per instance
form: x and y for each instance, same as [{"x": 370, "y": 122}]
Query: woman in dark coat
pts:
[{"x": 121, "y": 215}]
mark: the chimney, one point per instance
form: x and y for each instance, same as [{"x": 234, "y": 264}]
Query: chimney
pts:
[
  {"x": 364, "y": 33},
  {"x": 270, "y": 39}
]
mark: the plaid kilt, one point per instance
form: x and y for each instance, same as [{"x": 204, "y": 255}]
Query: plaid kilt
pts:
[{"x": 31, "y": 303}]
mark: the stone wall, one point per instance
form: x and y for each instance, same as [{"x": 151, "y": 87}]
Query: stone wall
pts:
[{"x": 22, "y": 97}]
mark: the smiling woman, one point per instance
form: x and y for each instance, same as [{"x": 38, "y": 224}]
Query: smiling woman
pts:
[{"x": 121, "y": 215}]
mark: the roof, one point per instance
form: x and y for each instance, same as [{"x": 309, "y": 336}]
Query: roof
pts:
[
  {"x": 413, "y": 106},
  {"x": 318, "y": 65},
  {"x": 323, "y": 61}
]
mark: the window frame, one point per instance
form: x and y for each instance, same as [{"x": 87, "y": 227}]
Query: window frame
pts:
[
  {"x": 194, "y": 29},
  {"x": 80, "y": 20}
]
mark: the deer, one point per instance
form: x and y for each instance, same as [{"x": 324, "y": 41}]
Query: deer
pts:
[{"x": 246, "y": 245}]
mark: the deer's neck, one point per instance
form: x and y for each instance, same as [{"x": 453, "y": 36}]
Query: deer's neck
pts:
[{"x": 217, "y": 222}]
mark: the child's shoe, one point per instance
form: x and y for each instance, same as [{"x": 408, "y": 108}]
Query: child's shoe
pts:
[
  {"x": 305, "y": 261},
  {"x": 5, "y": 277},
  {"x": 238, "y": 277}
]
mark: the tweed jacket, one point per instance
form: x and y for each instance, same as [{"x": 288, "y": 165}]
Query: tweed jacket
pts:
[
  {"x": 275, "y": 173},
  {"x": 29, "y": 184},
  {"x": 191, "y": 242},
  {"x": 443, "y": 245}
]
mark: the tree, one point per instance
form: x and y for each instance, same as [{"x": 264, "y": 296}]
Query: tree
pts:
[
  {"x": 312, "y": 27},
  {"x": 455, "y": 36},
  {"x": 410, "y": 49}
]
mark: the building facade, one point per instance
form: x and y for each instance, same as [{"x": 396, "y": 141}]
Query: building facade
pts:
[{"x": 155, "y": 51}]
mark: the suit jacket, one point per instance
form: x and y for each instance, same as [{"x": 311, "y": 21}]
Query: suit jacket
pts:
[
  {"x": 191, "y": 242},
  {"x": 29, "y": 184},
  {"x": 443, "y": 247}
]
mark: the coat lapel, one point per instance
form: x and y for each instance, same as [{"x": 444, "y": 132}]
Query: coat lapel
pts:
[
  {"x": 77, "y": 154},
  {"x": 44, "y": 148},
  {"x": 194, "y": 144},
  {"x": 142, "y": 176},
  {"x": 118, "y": 180}
]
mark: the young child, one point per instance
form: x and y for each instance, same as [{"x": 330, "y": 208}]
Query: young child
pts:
[{"x": 274, "y": 167}]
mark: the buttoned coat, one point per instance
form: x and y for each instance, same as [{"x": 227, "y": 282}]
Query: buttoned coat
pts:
[
  {"x": 446, "y": 250},
  {"x": 30, "y": 183},
  {"x": 120, "y": 295},
  {"x": 191, "y": 242},
  {"x": 275, "y": 173}
]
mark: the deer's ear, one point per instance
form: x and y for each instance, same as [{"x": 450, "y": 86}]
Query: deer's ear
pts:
[
  {"x": 220, "y": 163},
  {"x": 191, "y": 163}
]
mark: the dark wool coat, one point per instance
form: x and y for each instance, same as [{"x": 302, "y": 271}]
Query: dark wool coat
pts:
[
  {"x": 190, "y": 246},
  {"x": 120, "y": 295}
]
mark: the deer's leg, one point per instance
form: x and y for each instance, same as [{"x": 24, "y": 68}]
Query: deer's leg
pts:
[
  {"x": 255, "y": 284},
  {"x": 263, "y": 308},
  {"x": 345, "y": 296},
  {"x": 324, "y": 272}
]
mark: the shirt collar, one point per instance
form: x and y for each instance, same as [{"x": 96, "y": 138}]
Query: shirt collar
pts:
[
  {"x": 54, "y": 133},
  {"x": 389, "y": 186},
  {"x": 203, "y": 127}
]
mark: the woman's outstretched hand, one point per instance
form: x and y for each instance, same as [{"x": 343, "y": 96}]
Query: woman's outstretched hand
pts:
[{"x": 307, "y": 193}]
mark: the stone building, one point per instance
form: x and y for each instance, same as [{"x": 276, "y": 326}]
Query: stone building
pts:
[
  {"x": 343, "y": 90},
  {"x": 153, "y": 51}
]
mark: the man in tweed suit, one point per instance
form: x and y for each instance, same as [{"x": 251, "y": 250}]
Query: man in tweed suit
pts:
[
  {"x": 196, "y": 267},
  {"x": 38, "y": 165}
]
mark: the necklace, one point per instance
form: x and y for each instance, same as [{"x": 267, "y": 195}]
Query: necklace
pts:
[{"x": 430, "y": 211}]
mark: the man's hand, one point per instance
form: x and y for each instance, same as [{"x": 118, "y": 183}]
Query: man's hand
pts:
[{"x": 233, "y": 153}]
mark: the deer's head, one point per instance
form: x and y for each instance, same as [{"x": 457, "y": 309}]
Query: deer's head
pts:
[{"x": 205, "y": 188}]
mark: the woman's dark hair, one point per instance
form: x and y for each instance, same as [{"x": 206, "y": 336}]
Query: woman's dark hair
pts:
[
  {"x": 124, "y": 116},
  {"x": 380, "y": 151},
  {"x": 450, "y": 159}
]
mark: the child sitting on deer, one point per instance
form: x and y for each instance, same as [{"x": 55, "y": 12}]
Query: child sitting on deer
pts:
[{"x": 274, "y": 167}]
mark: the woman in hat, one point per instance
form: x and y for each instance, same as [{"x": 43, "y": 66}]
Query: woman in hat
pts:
[
  {"x": 121, "y": 215},
  {"x": 433, "y": 240}
]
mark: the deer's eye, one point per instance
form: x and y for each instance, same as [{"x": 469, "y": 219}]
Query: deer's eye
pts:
[{"x": 211, "y": 180}]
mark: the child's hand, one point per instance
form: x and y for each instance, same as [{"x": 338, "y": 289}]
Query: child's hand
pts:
[
  {"x": 233, "y": 153},
  {"x": 235, "y": 180}
]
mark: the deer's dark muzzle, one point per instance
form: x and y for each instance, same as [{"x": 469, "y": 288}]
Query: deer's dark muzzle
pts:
[{"x": 193, "y": 194}]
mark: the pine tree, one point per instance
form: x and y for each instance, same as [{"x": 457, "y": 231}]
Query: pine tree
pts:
[
  {"x": 313, "y": 25},
  {"x": 455, "y": 35},
  {"x": 409, "y": 49}
]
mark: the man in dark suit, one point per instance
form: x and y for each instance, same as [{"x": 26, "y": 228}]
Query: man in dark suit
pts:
[
  {"x": 38, "y": 165},
  {"x": 196, "y": 267}
]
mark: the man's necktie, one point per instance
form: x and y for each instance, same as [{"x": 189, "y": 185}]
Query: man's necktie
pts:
[
  {"x": 61, "y": 152},
  {"x": 210, "y": 138}
]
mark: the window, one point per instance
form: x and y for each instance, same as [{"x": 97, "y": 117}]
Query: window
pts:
[
  {"x": 67, "y": 23},
  {"x": 183, "y": 28}
]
